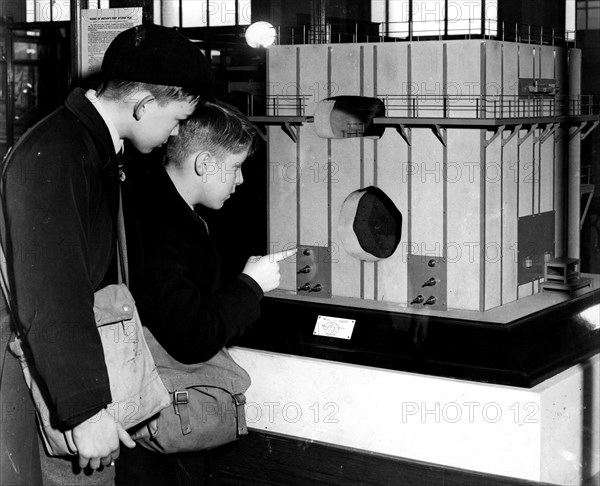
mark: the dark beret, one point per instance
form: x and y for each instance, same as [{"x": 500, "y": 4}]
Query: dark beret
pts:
[{"x": 155, "y": 54}]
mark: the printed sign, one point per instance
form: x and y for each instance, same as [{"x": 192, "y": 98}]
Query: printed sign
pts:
[
  {"x": 98, "y": 28},
  {"x": 334, "y": 327}
]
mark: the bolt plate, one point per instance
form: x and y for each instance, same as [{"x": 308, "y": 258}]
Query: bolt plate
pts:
[{"x": 318, "y": 258}]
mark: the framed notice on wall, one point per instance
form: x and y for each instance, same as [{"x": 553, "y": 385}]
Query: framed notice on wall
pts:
[{"x": 98, "y": 28}]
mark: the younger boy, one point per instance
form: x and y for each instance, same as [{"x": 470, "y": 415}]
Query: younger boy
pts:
[{"x": 179, "y": 291}]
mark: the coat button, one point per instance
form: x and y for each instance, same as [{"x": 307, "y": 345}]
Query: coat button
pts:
[{"x": 126, "y": 308}]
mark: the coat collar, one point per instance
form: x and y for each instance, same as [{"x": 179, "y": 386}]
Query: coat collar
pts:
[
  {"x": 82, "y": 108},
  {"x": 172, "y": 201}
]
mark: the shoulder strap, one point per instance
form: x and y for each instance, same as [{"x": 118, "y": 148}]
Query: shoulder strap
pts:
[
  {"x": 122, "y": 244},
  {"x": 4, "y": 281}
]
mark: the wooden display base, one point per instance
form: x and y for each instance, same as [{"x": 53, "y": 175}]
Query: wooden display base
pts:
[{"x": 547, "y": 433}]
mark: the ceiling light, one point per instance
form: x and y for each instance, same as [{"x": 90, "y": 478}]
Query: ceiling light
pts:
[{"x": 260, "y": 34}]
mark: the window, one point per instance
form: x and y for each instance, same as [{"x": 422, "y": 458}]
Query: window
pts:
[
  {"x": 400, "y": 18},
  {"x": 588, "y": 15},
  {"x": 48, "y": 10},
  {"x": 202, "y": 13},
  {"x": 55, "y": 10}
]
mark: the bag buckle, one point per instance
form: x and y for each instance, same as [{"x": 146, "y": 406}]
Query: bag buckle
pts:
[
  {"x": 240, "y": 399},
  {"x": 181, "y": 397},
  {"x": 180, "y": 401}
]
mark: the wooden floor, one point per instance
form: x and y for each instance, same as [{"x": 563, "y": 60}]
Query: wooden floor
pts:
[{"x": 262, "y": 459}]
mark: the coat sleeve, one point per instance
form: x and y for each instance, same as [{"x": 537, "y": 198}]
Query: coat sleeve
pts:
[
  {"x": 178, "y": 303},
  {"x": 47, "y": 208}
]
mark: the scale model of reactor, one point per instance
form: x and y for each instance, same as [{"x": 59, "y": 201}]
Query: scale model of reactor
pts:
[{"x": 437, "y": 175}]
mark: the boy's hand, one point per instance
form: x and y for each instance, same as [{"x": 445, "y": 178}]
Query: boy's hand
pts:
[
  {"x": 97, "y": 440},
  {"x": 265, "y": 269}
]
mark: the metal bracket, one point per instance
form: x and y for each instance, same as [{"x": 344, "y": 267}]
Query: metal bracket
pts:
[
  {"x": 589, "y": 190},
  {"x": 289, "y": 124},
  {"x": 561, "y": 134},
  {"x": 587, "y": 132},
  {"x": 441, "y": 134},
  {"x": 495, "y": 135},
  {"x": 262, "y": 134},
  {"x": 529, "y": 132},
  {"x": 402, "y": 130},
  {"x": 579, "y": 129},
  {"x": 514, "y": 132},
  {"x": 549, "y": 130},
  {"x": 291, "y": 132}
]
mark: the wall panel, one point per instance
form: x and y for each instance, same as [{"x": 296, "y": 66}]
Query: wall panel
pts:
[
  {"x": 392, "y": 178},
  {"x": 526, "y": 172},
  {"x": 559, "y": 192},
  {"x": 346, "y": 178},
  {"x": 510, "y": 190},
  {"x": 369, "y": 176},
  {"x": 392, "y": 74},
  {"x": 283, "y": 164},
  {"x": 546, "y": 151},
  {"x": 427, "y": 77},
  {"x": 313, "y": 150},
  {"x": 464, "y": 230},
  {"x": 510, "y": 75},
  {"x": 427, "y": 195},
  {"x": 494, "y": 68},
  {"x": 463, "y": 78},
  {"x": 346, "y": 169},
  {"x": 493, "y": 225},
  {"x": 536, "y": 176},
  {"x": 527, "y": 61},
  {"x": 283, "y": 203}
]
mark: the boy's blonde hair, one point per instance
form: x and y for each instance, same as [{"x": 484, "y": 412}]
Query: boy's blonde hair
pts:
[{"x": 216, "y": 127}]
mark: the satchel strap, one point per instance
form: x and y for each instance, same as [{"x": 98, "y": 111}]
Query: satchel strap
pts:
[
  {"x": 123, "y": 262},
  {"x": 122, "y": 244},
  {"x": 4, "y": 283},
  {"x": 240, "y": 402}
]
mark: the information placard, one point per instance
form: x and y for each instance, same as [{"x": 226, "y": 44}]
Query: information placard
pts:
[
  {"x": 335, "y": 327},
  {"x": 98, "y": 28}
]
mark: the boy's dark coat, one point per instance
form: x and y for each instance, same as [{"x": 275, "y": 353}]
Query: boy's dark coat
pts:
[
  {"x": 177, "y": 285},
  {"x": 60, "y": 197}
]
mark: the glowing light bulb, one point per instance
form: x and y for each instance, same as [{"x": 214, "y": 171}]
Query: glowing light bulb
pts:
[{"x": 260, "y": 34}]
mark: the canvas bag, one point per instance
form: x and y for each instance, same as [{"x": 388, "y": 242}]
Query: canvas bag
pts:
[
  {"x": 136, "y": 388},
  {"x": 207, "y": 403}
]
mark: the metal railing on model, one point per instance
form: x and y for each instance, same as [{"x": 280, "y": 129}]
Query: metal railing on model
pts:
[
  {"x": 457, "y": 106},
  {"x": 416, "y": 30}
]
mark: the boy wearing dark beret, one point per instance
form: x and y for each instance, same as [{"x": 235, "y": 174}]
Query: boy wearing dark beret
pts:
[{"x": 60, "y": 201}]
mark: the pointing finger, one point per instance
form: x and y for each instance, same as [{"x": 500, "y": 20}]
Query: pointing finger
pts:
[{"x": 281, "y": 255}]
